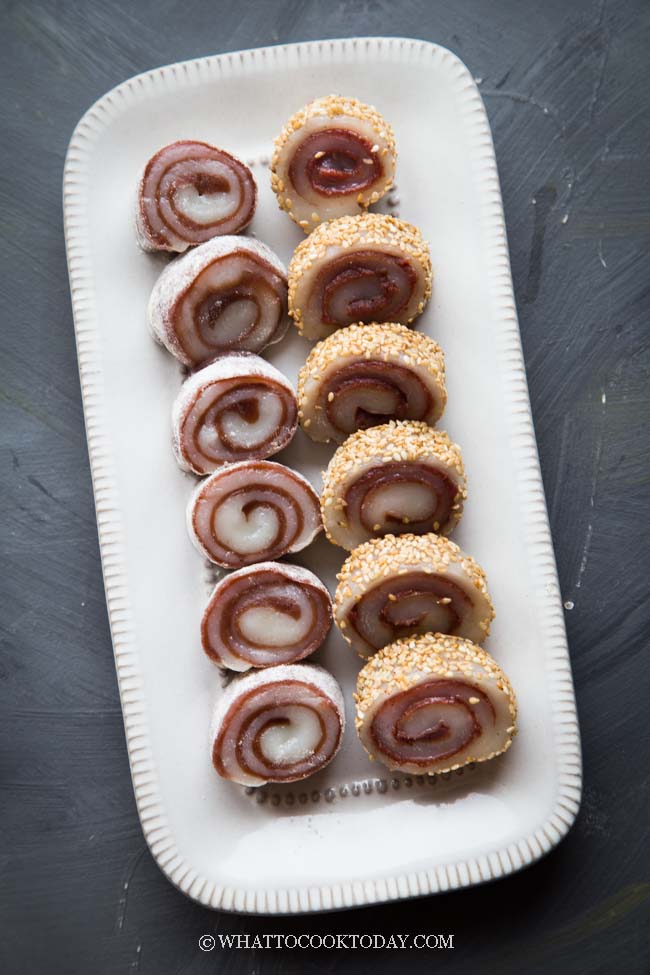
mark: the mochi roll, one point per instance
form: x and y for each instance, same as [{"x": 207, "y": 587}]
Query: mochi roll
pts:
[
  {"x": 277, "y": 725},
  {"x": 266, "y": 614},
  {"x": 434, "y": 703},
  {"x": 370, "y": 268},
  {"x": 237, "y": 408},
  {"x": 227, "y": 295},
  {"x": 252, "y": 511},
  {"x": 399, "y": 586},
  {"x": 333, "y": 157},
  {"x": 367, "y": 375},
  {"x": 399, "y": 477},
  {"x": 190, "y": 192}
]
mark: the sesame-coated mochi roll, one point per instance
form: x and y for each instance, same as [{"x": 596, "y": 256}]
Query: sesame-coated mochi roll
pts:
[
  {"x": 228, "y": 295},
  {"x": 367, "y": 375},
  {"x": 334, "y": 157},
  {"x": 371, "y": 268},
  {"x": 190, "y": 192},
  {"x": 399, "y": 586},
  {"x": 399, "y": 477},
  {"x": 253, "y": 511},
  {"x": 434, "y": 703},
  {"x": 264, "y": 615},
  {"x": 237, "y": 408},
  {"x": 277, "y": 725}
]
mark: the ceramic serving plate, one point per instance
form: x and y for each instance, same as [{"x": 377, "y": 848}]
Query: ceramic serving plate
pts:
[{"x": 354, "y": 834}]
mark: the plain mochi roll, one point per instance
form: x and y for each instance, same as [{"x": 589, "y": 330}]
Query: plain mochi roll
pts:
[
  {"x": 265, "y": 614},
  {"x": 252, "y": 511},
  {"x": 227, "y": 295},
  {"x": 190, "y": 192},
  {"x": 280, "y": 724},
  {"x": 239, "y": 407}
]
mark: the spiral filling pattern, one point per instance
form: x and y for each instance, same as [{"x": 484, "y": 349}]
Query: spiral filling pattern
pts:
[
  {"x": 363, "y": 269},
  {"x": 253, "y": 511},
  {"x": 238, "y": 408},
  {"x": 334, "y": 157},
  {"x": 334, "y": 162},
  {"x": 364, "y": 376},
  {"x": 432, "y": 721},
  {"x": 433, "y": 703},
  {"x": 413, "y": 603},
  {"x": 399, "y": 586},
  {"x": 386, "y": 498},
  {"x": 395, "y": 478},
  {"x": 227, "y": 295},
  {"x": 271, "y": 614},
  {"x": 190, "y": 192},
  {"x": 365, "y": 286},
  {"x": 237, "y": 302},
  {"x": 278, "y": 725},
  {"x": 369, "y": 392}
]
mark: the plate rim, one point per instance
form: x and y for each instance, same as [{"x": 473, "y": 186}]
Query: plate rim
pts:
[{"x": 162, "y": 844}]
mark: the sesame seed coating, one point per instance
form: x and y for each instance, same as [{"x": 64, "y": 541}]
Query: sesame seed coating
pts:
[
  {"x": 381, "y": 558},
  {"x": 428, "y": 655},
  {"x": 395, "y": 557},
  {"x": 388, "y": 342},
  {"x": 408, "y": 662},
  {"x": 362, "y": 232},
  {"x": 396, "y": 442},
  {"x": 332, "y": 111},
  {"x": 334, "y": 106}
]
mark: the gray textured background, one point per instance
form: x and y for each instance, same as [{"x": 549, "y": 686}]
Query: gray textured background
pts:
[{"x": 566, "y": 89}]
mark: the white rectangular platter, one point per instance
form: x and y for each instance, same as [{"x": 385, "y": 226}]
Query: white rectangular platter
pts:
[{"x": 355, "y": 834}]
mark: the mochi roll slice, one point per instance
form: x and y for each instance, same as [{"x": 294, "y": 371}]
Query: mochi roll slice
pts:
[
  {"x": 407, "y": 585},
  {"x": 252, "y": 511},
  {"x": 280, "y": 724},
  {"x": 190, "y": 192},
  {"x": 367, "y": 375},
  {"x": 370, "y": 268},
  {"x": 227, "y": 295},
  {"x": 265, "y": 614},
  {"x": 239, "y": 407},
  {"x": 395, "y": 478},
  {"x": 434, "y": 703},
  {"x": 333, "y": 157}
]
